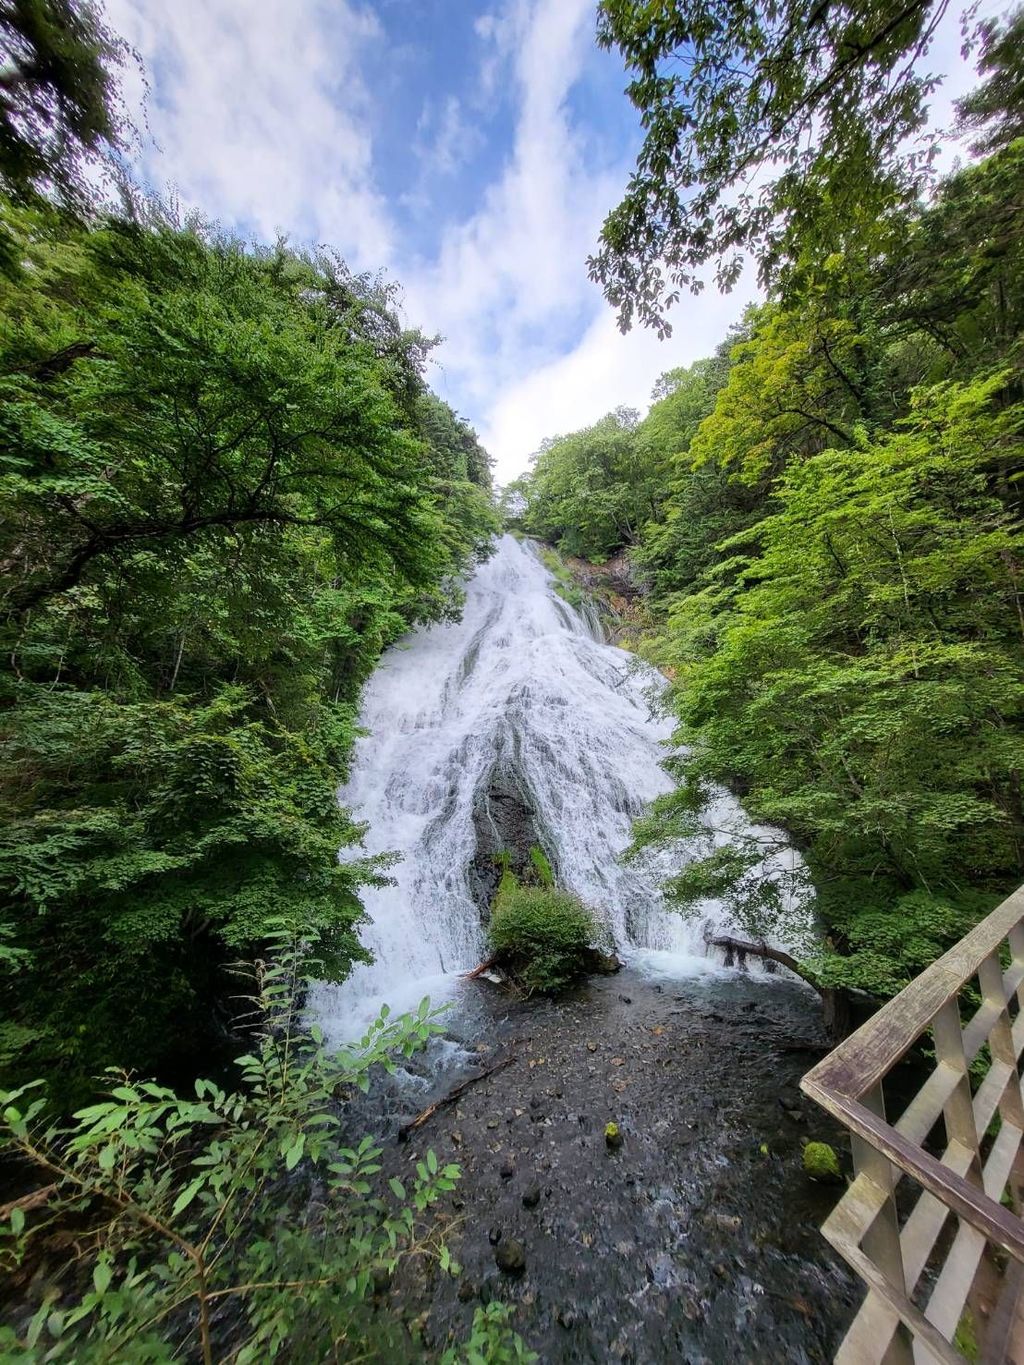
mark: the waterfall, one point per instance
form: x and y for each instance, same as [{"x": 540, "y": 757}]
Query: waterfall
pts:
[{"x": 521, "y": 690}]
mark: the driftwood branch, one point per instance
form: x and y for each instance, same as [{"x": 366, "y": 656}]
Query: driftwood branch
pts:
[
  {"x": 479, "y": 971},
  {"x": 741, "y": 947},
  {"x": 837, "y": 1003},
  {"x": 450, "y": 1098}
]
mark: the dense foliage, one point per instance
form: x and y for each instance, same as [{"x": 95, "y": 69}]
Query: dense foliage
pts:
[
  {"x": 226, "y": 488},
  {"x": 187, "y": 1240},
  {"x": 774, "y": 129},
  {"x": 60, "y": 116},
  {"x": 833, "y": 562}
]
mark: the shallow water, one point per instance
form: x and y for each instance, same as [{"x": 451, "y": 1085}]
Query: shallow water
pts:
[{"x": 698, "y": 1240}]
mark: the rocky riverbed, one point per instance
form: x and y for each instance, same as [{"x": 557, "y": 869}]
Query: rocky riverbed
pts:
[{"x": 697, "y": 1240}]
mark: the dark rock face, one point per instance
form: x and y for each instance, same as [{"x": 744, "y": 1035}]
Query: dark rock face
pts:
[{"x": 504, "y": 822}]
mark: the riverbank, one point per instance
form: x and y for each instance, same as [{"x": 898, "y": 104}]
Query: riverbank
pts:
[{"x": 698, "y": 1239}]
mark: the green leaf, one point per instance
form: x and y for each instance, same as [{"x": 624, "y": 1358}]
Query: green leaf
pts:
[
  {"x": 293, "y": 1153},
  {"x": 187, "y": 1195}
]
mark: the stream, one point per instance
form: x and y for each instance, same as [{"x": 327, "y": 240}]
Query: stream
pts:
[{"x": 517, "y": 726}]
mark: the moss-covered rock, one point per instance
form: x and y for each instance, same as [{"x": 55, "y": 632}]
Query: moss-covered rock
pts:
[{"x": 821, "y": 1163}]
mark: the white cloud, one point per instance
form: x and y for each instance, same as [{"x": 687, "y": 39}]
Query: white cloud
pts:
[
  {"x": 263, "y": 118},
  {"x": 508, "y": 288},
  {"x": 606, "y": 370},
  {"x": 446, "y": 140},
  {"x": 260, "y": 115}
]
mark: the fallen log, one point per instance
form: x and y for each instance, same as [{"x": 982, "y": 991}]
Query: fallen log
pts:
[
  {"x": 838, "y": 1006},
  {"x": 450, "y": 1098},
  {"x": 479, "y": 971},
  {"x": 741, "y": 947}
]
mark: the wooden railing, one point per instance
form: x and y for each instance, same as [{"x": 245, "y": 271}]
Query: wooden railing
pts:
[{"x": 931, "y": 1219}]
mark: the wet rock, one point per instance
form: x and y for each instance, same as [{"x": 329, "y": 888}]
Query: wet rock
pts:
[
  {"x": 468, "y": 1290},
  {"x": 626, "y": 999},
  {"x": 508, "y": 1170},
  {"x": 381, "y": 1279},
  {"x": 531, "y": 1197},
  {"x": 726, "y": 1221},
  {"x": 494, "y": 1236},
  {"x": 603, "y": 964},
  {"x": 566, "y": 1317},
  {"x": 510, "y": 1257},
  {"x": 612, "y": 1137}
]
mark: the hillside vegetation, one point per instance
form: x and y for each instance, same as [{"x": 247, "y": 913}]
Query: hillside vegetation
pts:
[{"x": 825, "y": 517}]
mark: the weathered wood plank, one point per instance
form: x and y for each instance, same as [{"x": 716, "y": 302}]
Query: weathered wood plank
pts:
[
  {"x": 864, "y": 1226},
  {"x": 946, "y": 1304}
]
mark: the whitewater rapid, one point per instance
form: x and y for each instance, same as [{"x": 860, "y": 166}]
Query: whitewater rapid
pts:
[{"x": 522, "y": 682}]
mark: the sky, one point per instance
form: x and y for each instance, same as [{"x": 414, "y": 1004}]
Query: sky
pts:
[{"x": 469, "y": 150}]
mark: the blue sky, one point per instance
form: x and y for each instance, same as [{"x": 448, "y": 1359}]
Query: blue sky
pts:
[{"x": 470, "y": 150}]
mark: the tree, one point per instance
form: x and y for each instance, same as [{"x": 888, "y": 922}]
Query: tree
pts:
[
  {"x": 592, "y": 490},
  {"x": 59, "y": 103},
  {"x": 778, "y": 131},
  {"x": 995, "y": 110},
  {"x": 219, "y": 509},
  {"x": 862, "y": 681}
]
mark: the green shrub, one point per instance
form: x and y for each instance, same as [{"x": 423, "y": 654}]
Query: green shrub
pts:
[{"x": 544, "y": 936}]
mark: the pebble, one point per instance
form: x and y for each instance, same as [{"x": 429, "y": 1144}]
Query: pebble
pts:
[
  {"x": 531, "y": 1197},
  {"x": 508, "y": 1170},
  {"x": 510, "y": 1257},
  {"x": 494, "y": 1236}
]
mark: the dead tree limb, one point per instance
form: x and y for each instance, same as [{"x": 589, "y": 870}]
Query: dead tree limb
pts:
[
  {"x": 26, "y": 1202},
  {"x": 740, "y": 947},
  {"x": 450, "y": 1098},
  {"x": 838, "y": 1005},
  {"x": 479, "y": 971}
]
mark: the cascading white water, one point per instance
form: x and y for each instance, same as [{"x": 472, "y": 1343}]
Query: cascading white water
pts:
[{"x": 523, "y": 681}]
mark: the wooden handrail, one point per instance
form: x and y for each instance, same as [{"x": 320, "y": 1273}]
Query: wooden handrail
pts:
[
  {"x": 867, "y": 1056},
  {"x": 972, "y": 1177}
]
